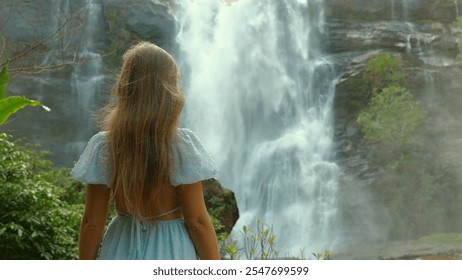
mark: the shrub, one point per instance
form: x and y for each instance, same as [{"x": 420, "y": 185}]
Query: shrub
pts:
[
  {"x": 40, "y": 206},
  {"x": 382, "y": 71},
  {"x": 391, "y": 118},
  {"x": 259, "y": 243},
  {"x": 256, "y": 244}
]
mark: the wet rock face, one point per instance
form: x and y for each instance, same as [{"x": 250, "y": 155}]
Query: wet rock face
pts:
[
  {"x": 424, "y": 37},
  {"x": 422, "y": 34},
  {"x": 392, "y": 9},
  {"x": 140, "y": 20},
  {"x": 66, "y": 43},
  {"x": 429, "y": 37}
]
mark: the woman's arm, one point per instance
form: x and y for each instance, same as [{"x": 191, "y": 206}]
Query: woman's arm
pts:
[
  {"x": 197, "y": 221},
  {"x": 93, "y": 221}
]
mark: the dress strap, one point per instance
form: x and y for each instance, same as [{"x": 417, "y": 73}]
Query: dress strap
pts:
[
  {"x": 159, "y": 216},
  {"x": 169, "y": 212}
]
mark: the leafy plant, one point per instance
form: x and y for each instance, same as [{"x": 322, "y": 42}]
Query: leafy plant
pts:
[
  {"x": 323, "y": 256},
  {"x": 391, "y": 118},
  {"x": 40, "y": 206},
  {"x": 261, "y": 243},
  {"x": 382, "y": 71},
  {"x": 10, "y": 105},
  {"x": 219, "y": 204},
  {"x": 229, "y": 249},
  {"x": 256, "y": 244}
]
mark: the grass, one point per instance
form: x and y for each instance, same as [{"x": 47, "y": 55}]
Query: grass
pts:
[{"x": 443, "y": 238}]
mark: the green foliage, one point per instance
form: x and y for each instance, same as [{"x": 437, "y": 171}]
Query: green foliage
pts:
[
  {"x": 412, "y": 183},
  {"x": 219, "y": 228},
  {"x": 40, "y": 206},
  {"x": 258, "y": 244},
  {"x": 4, "y": 78},
  {"x": 229, "y": 249},
  {"x": 382, "y": 71},
  {"x": 443, "y": 238},
  {"x": 391, "y": 118},
  {"x": 261, "y": 243},
  {"x": 10, "y": 105},
  {"x": 324, "y": 256},
  {"x": 218, "y": 206}
]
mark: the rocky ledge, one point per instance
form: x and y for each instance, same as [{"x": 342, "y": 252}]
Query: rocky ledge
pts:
[{"x": 433, "y": 247}]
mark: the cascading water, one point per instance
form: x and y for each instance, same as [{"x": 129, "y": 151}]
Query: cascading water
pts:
[
  {"x": 259, "y": 94},
  {"x": 416, "y": 41},
  {"x": 403, "y": 16},
  {"x": 72, "y": 83},
  {"x": 88, "y": 77},
  {"x": 400, "y": 10}
]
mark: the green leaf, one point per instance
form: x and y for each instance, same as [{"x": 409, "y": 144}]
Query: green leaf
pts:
[
  {"x": 4, "y": 77},
  {"x": 12, "y": 104}
]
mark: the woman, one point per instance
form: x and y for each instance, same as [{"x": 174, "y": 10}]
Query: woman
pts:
[{"x": 150, "y": 169}]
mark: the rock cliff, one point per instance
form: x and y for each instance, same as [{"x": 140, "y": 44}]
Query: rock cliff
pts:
[{"x": 424, "y": 37}]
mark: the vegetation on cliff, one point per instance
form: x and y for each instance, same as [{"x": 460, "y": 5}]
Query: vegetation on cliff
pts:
[
  {"x": 392, "y": 116},
  {"x": 418, "y": 189}
]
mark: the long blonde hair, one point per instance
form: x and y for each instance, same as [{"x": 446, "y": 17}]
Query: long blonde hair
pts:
[{"x": 141, "y": 119}]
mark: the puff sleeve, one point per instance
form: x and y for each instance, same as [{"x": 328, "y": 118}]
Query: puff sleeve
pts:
[
  {"x": 191, "y": 161},
  {"x": 91, "y": 167}
]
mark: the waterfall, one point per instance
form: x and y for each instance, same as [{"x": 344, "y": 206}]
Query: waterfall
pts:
[
  {"x": 405, "y": 5},
  {"x": 413, "y": 34},
  {"x": 414, "y": 39},
  {"x": 392, "y": 10},
  {"x": 87, "y": 78},
  {"x": 259, "y": 94},
  {"x": 67, "y": 71}
]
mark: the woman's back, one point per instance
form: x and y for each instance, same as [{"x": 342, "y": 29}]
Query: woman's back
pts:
[
  {"x": 168, "y": 206},
  {"x": 150, "y": 169}
]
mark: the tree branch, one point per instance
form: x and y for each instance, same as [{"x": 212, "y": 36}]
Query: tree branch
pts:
[{"x": 41, "y": 43}]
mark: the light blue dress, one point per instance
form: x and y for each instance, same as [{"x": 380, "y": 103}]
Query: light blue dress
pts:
[{"x": 130, "y": 238}]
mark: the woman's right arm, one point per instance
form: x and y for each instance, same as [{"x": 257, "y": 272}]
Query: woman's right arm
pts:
[
  {"x": 197, "y": 221},
  {"x": 93, "y": 221}
]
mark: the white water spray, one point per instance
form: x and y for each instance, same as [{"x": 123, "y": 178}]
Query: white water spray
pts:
[
  {"x": 88, "y": 77},
  {"x": 259, "y": 94},
  {"x": 415, "y": 43}
]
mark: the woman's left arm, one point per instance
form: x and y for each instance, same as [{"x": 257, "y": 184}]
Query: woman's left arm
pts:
[{"x": 93, "y": 221}]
